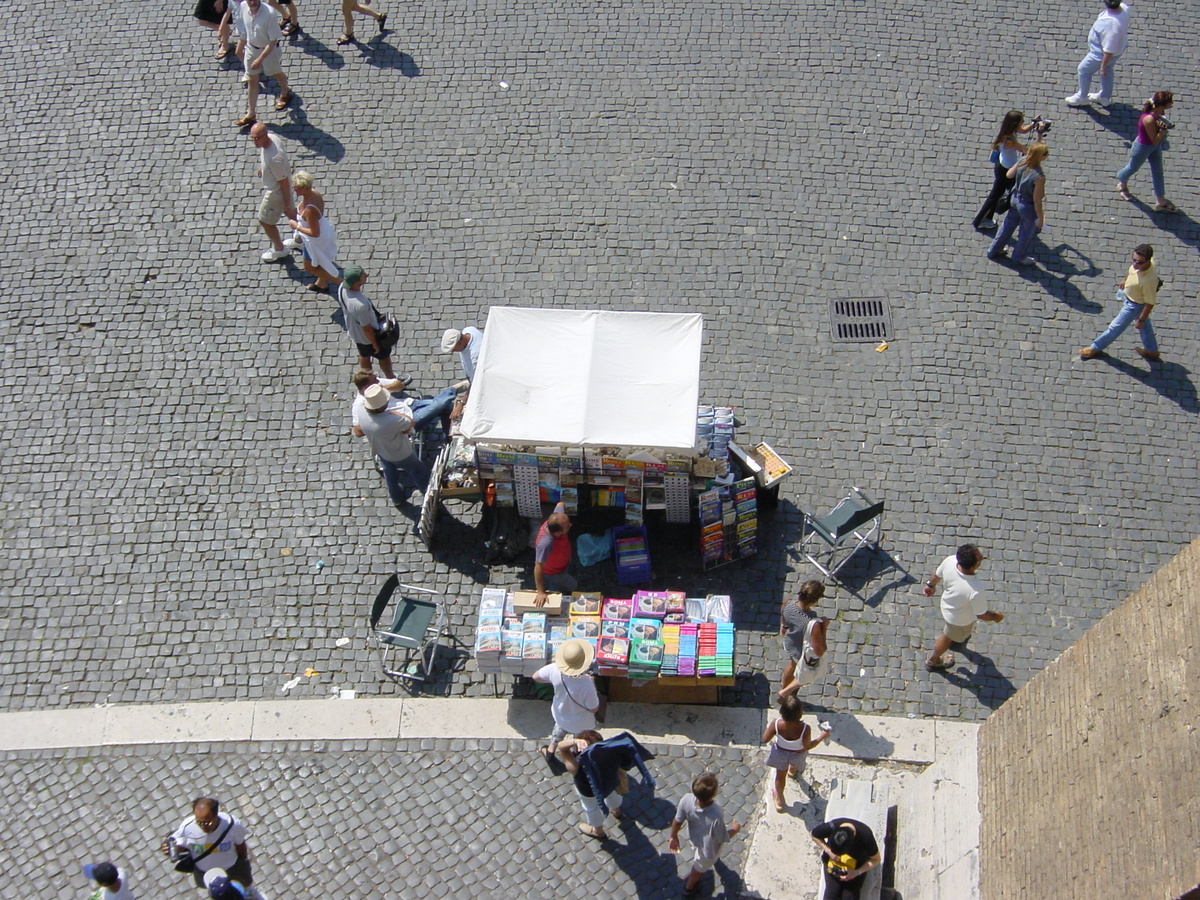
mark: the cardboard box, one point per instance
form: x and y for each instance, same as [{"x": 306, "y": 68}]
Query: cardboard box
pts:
[{"x": 523, "y": 603}]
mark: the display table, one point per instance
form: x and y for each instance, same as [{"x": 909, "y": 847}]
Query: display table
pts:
[{"x": 672, "y": 689}]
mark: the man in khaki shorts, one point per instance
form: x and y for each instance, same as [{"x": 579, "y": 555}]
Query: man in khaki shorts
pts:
[
  {"x": 275, "y": 170},
  {"x": 263, "y": 57},
  {"x": 962, "y": 603}
]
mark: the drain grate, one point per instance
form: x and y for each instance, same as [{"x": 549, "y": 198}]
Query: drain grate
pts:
[{"x": 861, "y": 320}]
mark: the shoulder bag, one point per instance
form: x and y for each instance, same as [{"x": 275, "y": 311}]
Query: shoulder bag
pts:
[{"x": 188, "y": 863}]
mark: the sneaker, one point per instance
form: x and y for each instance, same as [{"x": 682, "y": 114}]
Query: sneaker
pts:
[
  {"x": 245, "y": 78},
  {"x": 293, "y": 243},
  {"x": 1027, "y": 261},
  {"x": 987, "y": 224},
  {"x": 1152, "y": 355},
  {"x": 1077, "y": 100},
  {"x": 1090, "y": 353},
  {"x": 274, "y": 255},
  {"x": 1100, "y": 99},
  {"x": 461, "y": 386},
  {"x": 394, "y": 385}
]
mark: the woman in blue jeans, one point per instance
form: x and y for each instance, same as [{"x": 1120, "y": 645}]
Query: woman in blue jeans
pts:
[
  {"x": 1148, "y": 146},
  {"x": 1029, "y": 189}
]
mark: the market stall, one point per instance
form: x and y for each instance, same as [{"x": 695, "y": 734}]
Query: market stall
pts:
[{"x": 601, "y": 410}]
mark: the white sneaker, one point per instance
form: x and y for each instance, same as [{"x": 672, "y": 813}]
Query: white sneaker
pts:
[
  {"x": 1077, "y": 100},
  {"x": 292, "y": 243},
  {"x": 461, "y": 386},
  {"x": 245, "y": 78},
  {"x": 274, "y": 255},
  {"x": 1100, "y": 99}
]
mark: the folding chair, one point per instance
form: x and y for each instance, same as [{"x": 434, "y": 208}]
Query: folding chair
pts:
[
  {"x": 417, "y": 626},
  {"x": 842, "y": 531}
]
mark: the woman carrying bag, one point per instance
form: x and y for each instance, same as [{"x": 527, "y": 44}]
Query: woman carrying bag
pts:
[
  {"x": 1006, "y": 153},
  {"x": 1029, "y": 189},
  {"x": 1148, "y": 145}
]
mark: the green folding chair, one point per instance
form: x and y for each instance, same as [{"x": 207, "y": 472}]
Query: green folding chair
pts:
[
  {"x": 834, "y": 538},
  {"x": 407, "y": 646}
]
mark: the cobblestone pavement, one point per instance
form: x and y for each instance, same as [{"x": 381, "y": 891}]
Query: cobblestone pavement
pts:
[
  {"x": 174, "y": 437},
  {"x": 396, "y": 819}
]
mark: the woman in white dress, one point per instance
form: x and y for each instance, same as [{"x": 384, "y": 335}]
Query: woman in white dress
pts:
[{"x": 317, "y": 237}]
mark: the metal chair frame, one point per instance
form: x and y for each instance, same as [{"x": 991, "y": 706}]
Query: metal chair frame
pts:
[
  {"x": 844, "y": 522},
  {"x": 391, "y": 639}
]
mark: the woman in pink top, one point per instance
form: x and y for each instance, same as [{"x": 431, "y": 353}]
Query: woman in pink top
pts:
[{"x": 1152, "y": 130}]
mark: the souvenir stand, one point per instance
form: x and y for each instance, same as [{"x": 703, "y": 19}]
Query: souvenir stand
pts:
[{"x": 601, "y": 409}]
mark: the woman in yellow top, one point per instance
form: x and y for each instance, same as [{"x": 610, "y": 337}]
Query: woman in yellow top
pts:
[{"x": 1138, "y": 292}]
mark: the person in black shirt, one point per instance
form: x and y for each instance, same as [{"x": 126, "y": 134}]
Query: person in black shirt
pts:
[{"x": 848, "y": 853}]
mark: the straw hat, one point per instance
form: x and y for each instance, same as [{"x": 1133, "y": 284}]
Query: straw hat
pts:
[{"x": 574, "y": 657}]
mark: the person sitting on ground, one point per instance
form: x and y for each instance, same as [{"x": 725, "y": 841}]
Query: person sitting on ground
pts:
[
  {"x": 848, "y": 852},
  {"x": 422, "y": 412}
]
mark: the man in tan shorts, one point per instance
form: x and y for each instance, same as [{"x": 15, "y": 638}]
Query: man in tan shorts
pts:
[
  {"x": 962, "y": 603},
  {"x": 275, "y": 170},
  {"x": 263, "y": 57}
]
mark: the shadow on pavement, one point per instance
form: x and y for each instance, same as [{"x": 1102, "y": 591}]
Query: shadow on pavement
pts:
[
  {"x": 989, "y": 685},
  {"x": 318, "y": 142},
  {"x": 1062, "y": 263},
  {"x": 313, "y": 47},
  {"x": 376, "y": 52},
  {"x": 1170, "y": 379}
]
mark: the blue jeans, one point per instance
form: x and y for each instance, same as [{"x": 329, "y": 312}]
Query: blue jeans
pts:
[
  {"x": 1023, "y": 214},
  {"x": 439, "y": 407},
  {"x": 1138, "y": 154},
  {"x": 1129, "y": 312},
  {"x": 396, "y": 473},
  {"x": 1090, "y": 66}
]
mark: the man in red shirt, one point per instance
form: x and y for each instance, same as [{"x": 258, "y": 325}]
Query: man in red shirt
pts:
[{"x": 552, "y": 556}]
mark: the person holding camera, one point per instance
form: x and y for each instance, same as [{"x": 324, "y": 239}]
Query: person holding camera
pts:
[
  {"x": 1006, "y": 153},
  {"x": 1028, "y": 192},
  {"x": 1148, "y": 145},
  {"x": 848, "y": 852},
  {"x": 211, "y": 839}
]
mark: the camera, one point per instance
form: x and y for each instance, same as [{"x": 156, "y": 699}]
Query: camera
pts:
[
  {"x": 1165, "y": 122},
  {"x": 1041, "y": 125}
]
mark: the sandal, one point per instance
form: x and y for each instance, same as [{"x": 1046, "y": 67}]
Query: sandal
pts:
[
  {"x": 946, "y": 663},
  {"x": 597, "y": 833},
  {"x": 324, "y": 289},
  {"x": 345, "y": 39},
  {"x": 223, "y": 52},
  {"x": 1166, "y": 206},
  {"x": 381, "y": 22},
  {"x": 290, "y": 28},
  {"x": 1124, "y": 192},
  {"x": 284, "y": 101},
  {"x": 246, "y": 122}
]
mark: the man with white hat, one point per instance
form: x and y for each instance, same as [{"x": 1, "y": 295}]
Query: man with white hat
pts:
[
  {"x": 387, "y": 431},
  {"x": 467, "y": 344},
  {"x": 575, "y": 698}
]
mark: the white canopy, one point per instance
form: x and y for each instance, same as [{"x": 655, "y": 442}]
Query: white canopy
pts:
[{"x": 585, "y": 377}]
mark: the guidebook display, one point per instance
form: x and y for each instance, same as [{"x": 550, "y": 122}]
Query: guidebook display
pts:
[{"x": 650, "y": 635}]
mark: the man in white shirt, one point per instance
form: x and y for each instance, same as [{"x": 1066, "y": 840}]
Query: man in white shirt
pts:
[
  {"x": 262, "y": 57},
  {"x": 1106, "y": 42},
  {"x": 275, "y": 170},
  {"x": 467, "y": 344},
  {"x": 962, "y": 603},
  {"x": 214, "y": 840}
]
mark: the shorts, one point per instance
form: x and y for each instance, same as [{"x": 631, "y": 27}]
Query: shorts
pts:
[
  {"x": 958, "y": 634},
  {"x": 370, "y": 353},
  {"x": 703, "y": 863},
  {"x": 271, "y": 207},
  {"x": 782, "y": 760},
  {"x": 272, "y": 65}
]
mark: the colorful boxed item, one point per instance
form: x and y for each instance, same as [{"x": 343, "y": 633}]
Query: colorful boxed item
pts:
[
  {"x": 646, "y": 654},
  {"x": 533, "y": 623},
  {"x": 585, "y": 626},
  {"x": 618, "y": 628},
  {"x": 650, "y": 604},
  {"x": 718, "y": 608},
  {"x": 645, "y": 629},
  {"x": 617, "y": 609},
  {"x": 612, "y": 651},
  {"x": 676, "y": 602},
  {"x": 584, "y": 604}
]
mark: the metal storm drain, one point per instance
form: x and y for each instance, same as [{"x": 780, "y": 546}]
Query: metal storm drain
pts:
[{"x": 862, "y": 320}]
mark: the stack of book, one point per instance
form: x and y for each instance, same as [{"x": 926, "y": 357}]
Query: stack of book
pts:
[
  {"x": 645, "y": 658},
  {"x": 670, "y": 662},
  {"x": 724, "y": 666},
  {"x": 706, "y": 649},
  {"x": 487, "y": 630},
  {"x": 612, "y": 656},
  {"x": 718, "y": 608},
  {"x": 686, "y": 663}
]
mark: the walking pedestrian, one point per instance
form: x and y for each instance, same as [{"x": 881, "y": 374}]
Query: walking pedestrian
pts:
[
  {"x": 962, "y": 603},
  {"x": 113, "y": 883},
  {"x": 706, "y": 828},
  {"x": 1148, "y": 146},
  {"x": 275, "y": 170},
  {"x": 575, "y": 699},
  {"x": 848, "y": 852},
  {"x": 210, "y": 14},
  {"x": 1138, "y": 293},
  {"x": 211, "y": 839},
  {"x": 1106, "y": 42},
  {"x": 263, "y": 57},
  {"x": 318, "y": 241},
  {"x": 467, "y": 344},
  {"x": 349, "y": 7},
  {"x": 790, "y": 740},
  {"x": 387, "y": 430},
  {"x": 1006, "y": 153},
  {"x": 289, "y": 24},
  {"x": 804, "y": 639},
  {"x": 364, "y": 325},
  {"x": 232, "y": 23},
  {"x": 1028, "y": 194}
]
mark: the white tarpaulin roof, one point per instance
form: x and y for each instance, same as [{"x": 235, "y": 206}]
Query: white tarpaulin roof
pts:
[{"x": 576, "y": 377}]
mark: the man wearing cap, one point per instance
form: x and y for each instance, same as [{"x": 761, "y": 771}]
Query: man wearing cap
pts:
[
  {"x": 575, "y": 698},
  {"x": 1106, "y": 43},
  {"x": 467, "y": 344},
  {"x": 552, "y": 556},
  {"x": 388, "y": 430},
  {"x": 362, "y": 324},
  {"x": 275, "y": 170},
  {"x": 213, "y": 840},
  {"x": 112, "y": 881}
]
